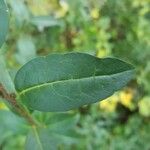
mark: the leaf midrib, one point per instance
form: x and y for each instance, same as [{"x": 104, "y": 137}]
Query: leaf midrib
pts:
[
  {"x": 55, "y": 82},
  {"x": 37, "y": 137}
]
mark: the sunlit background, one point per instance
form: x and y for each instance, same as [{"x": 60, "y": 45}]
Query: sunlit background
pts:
[{"x": 104, "y": 28}]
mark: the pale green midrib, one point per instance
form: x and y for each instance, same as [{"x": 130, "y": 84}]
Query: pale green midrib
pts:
[
  {"x": 55, "y": 82},
  {"x": 38, "y": 138}
]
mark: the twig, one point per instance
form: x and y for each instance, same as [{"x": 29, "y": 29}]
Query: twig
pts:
[{"x": 11, "y": 99}]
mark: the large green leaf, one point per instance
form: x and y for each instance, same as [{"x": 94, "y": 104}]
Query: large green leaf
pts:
[
  {"x": 3, "y": 21},
  {"x": 61, "y": 82}
]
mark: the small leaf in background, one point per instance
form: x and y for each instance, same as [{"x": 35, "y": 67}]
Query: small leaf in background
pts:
[
  {"x": 144, "y": 78},
  {"x": 3, "y": 21},
  {"x": 26, "y": 49},
  {"x": 5, "y": 78},
  {"x": 144, "y": 106},
  {"x": 62, "y": 82},
  {"x": 45, "y": 21},
  {"x": 20, "y": 10}
]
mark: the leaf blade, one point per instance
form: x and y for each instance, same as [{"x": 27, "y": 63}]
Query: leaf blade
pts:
[{"x": 70, "y": 81}]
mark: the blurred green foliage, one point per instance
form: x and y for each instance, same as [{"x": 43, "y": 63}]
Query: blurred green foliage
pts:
[{"x": 116, "y": 28}]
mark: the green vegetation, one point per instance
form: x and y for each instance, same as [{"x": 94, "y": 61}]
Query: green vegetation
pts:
[{"x": 102, "y": 28}]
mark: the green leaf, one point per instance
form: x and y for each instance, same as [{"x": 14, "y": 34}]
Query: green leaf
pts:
[
  {"x": 20, "y": 11},
  {"x": 5, "y": 78},
  {"x": 3, "y": 21},
  {"x": 10, "y": 125},
  {"x": 43, "y": 139},
  {"x": 45, "y": 21},
  {"x": 61, "y": 82},
  {"x": 57, "y": 133},
  {"x": 26, "y": 49},
  {"x": 61, "y": 122}
]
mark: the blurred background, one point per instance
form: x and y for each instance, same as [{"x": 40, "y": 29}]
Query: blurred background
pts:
[{"x": 104, "y": 28}]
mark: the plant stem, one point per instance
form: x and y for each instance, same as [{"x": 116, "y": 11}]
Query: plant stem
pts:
[{"x": 20, "y": 109}]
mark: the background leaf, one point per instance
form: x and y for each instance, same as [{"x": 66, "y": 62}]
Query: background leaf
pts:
[
  {"x": 26, "y": 49},
  {"x": 58, "y": 132},
  {"x": 19, "y": 10},
  {"x": 5, "y": 78},
  {"x": 3, "y": 21},
  {"x": 63, "y": 82},
  {"x": 10, "y": 125},
  {"x": 45, "y": 21}
]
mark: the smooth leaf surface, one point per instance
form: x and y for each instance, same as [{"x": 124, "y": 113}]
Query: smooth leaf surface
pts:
[
  {"x": 3, "y": 21},
  {"x": 61, "y": 82}
]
